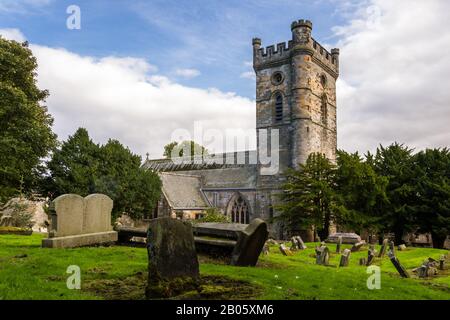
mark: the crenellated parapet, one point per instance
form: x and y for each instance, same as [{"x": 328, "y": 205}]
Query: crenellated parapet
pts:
[{"x": 301, "y": 43}]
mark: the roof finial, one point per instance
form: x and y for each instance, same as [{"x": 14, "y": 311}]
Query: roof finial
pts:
[{"x": 147, "y": 154}]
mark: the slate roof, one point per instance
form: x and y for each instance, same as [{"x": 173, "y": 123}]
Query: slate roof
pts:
[
  {"x": 183, "y": 192},
  {"x": 215, "y": 161}
]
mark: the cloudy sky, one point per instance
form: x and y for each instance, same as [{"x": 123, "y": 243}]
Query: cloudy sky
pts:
[{"x": 139, "y": 70}]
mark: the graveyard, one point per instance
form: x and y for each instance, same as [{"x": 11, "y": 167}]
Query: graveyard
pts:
[{"x": 29, "y": 271}]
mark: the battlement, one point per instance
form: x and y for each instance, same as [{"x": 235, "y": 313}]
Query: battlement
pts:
[
  {"x": 282, "y": 52},
  {"x": 301, "y": 23}
]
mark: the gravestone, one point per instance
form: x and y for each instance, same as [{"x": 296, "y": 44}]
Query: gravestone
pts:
[
  {"x": 294, "y": 244},
  {"x": 250, "y": 244},
  {"x": 323, "y": 255},
  {"x": 402, "y": 247},
  {"x": 357, "y": 246},
  {"x": 266, "y": 249},
  {"x": 392, "y": 247},
  {"x": 370, "y": 255},
  {"x": 401, "y": 270},
  {"x": 338, "y": 245},
  {"x": 345, "y": 257},
  {"x": 78, "y": 221},
  {"x": 362, "y": 261},
  {"x": 347, "y": 238},
  {"x": 285, "y": 250},
  {"x": 172, "y": 260},
  {"x": 383, "y": 248},
  {"x": 442, "y": 262},
  {"x": 301, "y": 245}
]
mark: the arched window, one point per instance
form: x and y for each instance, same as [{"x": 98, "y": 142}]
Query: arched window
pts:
[
  {"x": 324, "y": 110},
  {"x": 239, "y": 210},
  {"x": 278, "y": 107}
]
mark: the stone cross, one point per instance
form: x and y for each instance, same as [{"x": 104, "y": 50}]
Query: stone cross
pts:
[
  {"x": 172, "y": 259},
  {"x": 338, "y": 245},
  {"x": 345, "y": 257},
  {"x": 383, "y": 248},
  {"x": 323, "y": 255},
  {"x": 401, "y": 270}
]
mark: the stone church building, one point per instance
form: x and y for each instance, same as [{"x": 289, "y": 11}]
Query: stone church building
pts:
[{"x": 296, "y": 95}]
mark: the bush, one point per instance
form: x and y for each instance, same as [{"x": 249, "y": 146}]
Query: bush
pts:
[{"x": 213, "y": 215}]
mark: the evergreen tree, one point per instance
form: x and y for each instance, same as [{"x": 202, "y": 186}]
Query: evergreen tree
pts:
[
  {"x": 26, "y": 136},
  {"x": 309, "y": 197}
]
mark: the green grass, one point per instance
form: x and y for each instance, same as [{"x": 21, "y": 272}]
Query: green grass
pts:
[{"x": 41, "y": 274}]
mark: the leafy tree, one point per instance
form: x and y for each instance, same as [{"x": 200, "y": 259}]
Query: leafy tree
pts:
[
  {"x": 80, "y": 166},
  {"x": 395, "y": 164},
  {"x": 179, "y": 149},
  {"x": 26, "y": 136},
  {"x": 361, "y": 192},
  {"x": 309, "y": 196},
  {"x": 432, "y": 189}
]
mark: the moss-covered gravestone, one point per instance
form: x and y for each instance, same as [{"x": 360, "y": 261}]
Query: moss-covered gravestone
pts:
[{"x": 172, "y": 259}]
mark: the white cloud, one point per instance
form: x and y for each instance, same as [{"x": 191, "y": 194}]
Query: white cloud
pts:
[
  {"x": 12, "y": 34},
  {"x": 394, "y": 75},
  {"x": 23, "y": 6},
  {"x": 248, "y": 75},
  {"x": 120, "y": 98},
  {"x": 187, "y": 73}
]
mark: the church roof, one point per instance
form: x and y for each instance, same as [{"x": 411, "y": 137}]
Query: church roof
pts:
[
  {"x": 183, "y": 192},
  {"x": 215, "y": 161}
]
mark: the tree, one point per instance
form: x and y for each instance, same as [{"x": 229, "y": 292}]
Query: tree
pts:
[
  {"x": 176, "y": 149},
  {"x": 309, "y": 196},
  {"x": 80, "y": 166},
  {"x": 432, "y": 189},
  {"x": 26, "y": 136},
  {"x": 395, "y": 164},
  {"x": 361, "y": 193}
]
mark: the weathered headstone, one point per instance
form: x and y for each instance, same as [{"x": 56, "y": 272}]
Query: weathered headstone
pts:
[
  {"x": 300, "y": 243},
  {"x": 272, "y": 241},
  {"x": 362, "y": 261},
  {"x": 402, "y": 247},
  {"x": 78, "y": 221},
  {"x": 250, "y": 244},
  {"x": 294, "y": 244},
  {"x": 370, "y": 255},
  {"x": 172, "y": 259},
  {"x": 285, "y": 250},
  {"x": 323, "y": 255},
  {"x": 338, "y": 244},
  {"x": 357, "y": 246},
  {"x": 383, "y": 248},
  {"x": 345, "y": 257},
  {"x": 442, "y": 262},
  {"x": 392, "y": 247},
  {"x": 266, "y": 249},
  {"x": 401, "y": 270},
  {"x": 347, "y": 238}
]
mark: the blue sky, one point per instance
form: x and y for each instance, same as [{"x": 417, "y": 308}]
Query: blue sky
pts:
[
  {"x": 138, "y": 70},
  {"x": 213, "y": 37}
]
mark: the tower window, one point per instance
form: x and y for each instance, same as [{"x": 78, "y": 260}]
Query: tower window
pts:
[
  {"x": 324, "y": 110},
  {"x": 278, "y": 107},
  {"x": 323, "y": 80}
]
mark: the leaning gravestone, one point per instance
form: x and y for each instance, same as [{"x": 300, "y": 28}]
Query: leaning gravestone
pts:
[
  {"x": 357, "y": 246},
  {"x": 250, "y": 244},
  {"x": 392, "y": 247},
  {"x": 78, "y": 221},
  {"x": 442, "y": 262},
  {"x": 172, "y": 259},
  {"x": 285, "y": 250},
  {"x": 294, "y": 244},
  {"x": 401, "y": 270},
  {"x": 345, "y": 257},
  {"x": 338, "y": 245},
  {"x": 383, "y": 248},
  {"x": 323, "y": 255},
  {"x": 301, "y": 245},
  {"x": 370, "y": 256}
]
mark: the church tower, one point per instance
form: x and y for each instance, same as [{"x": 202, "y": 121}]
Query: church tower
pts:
[{"x": 296, "y": 97}]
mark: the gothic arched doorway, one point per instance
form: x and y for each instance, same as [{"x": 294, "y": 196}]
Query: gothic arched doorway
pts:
[{"x": 238, "y": 209}]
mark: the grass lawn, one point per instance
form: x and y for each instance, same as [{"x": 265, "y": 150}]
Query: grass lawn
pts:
[{"x": 28, "y": 271}]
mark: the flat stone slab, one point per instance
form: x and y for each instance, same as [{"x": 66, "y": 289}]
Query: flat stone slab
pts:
[
  {"x": 347, "y": 238},
  {"x": 220, "y": 230},
  {"x": 215, "y": 242},
  {"x": 80, "y": 240}
]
